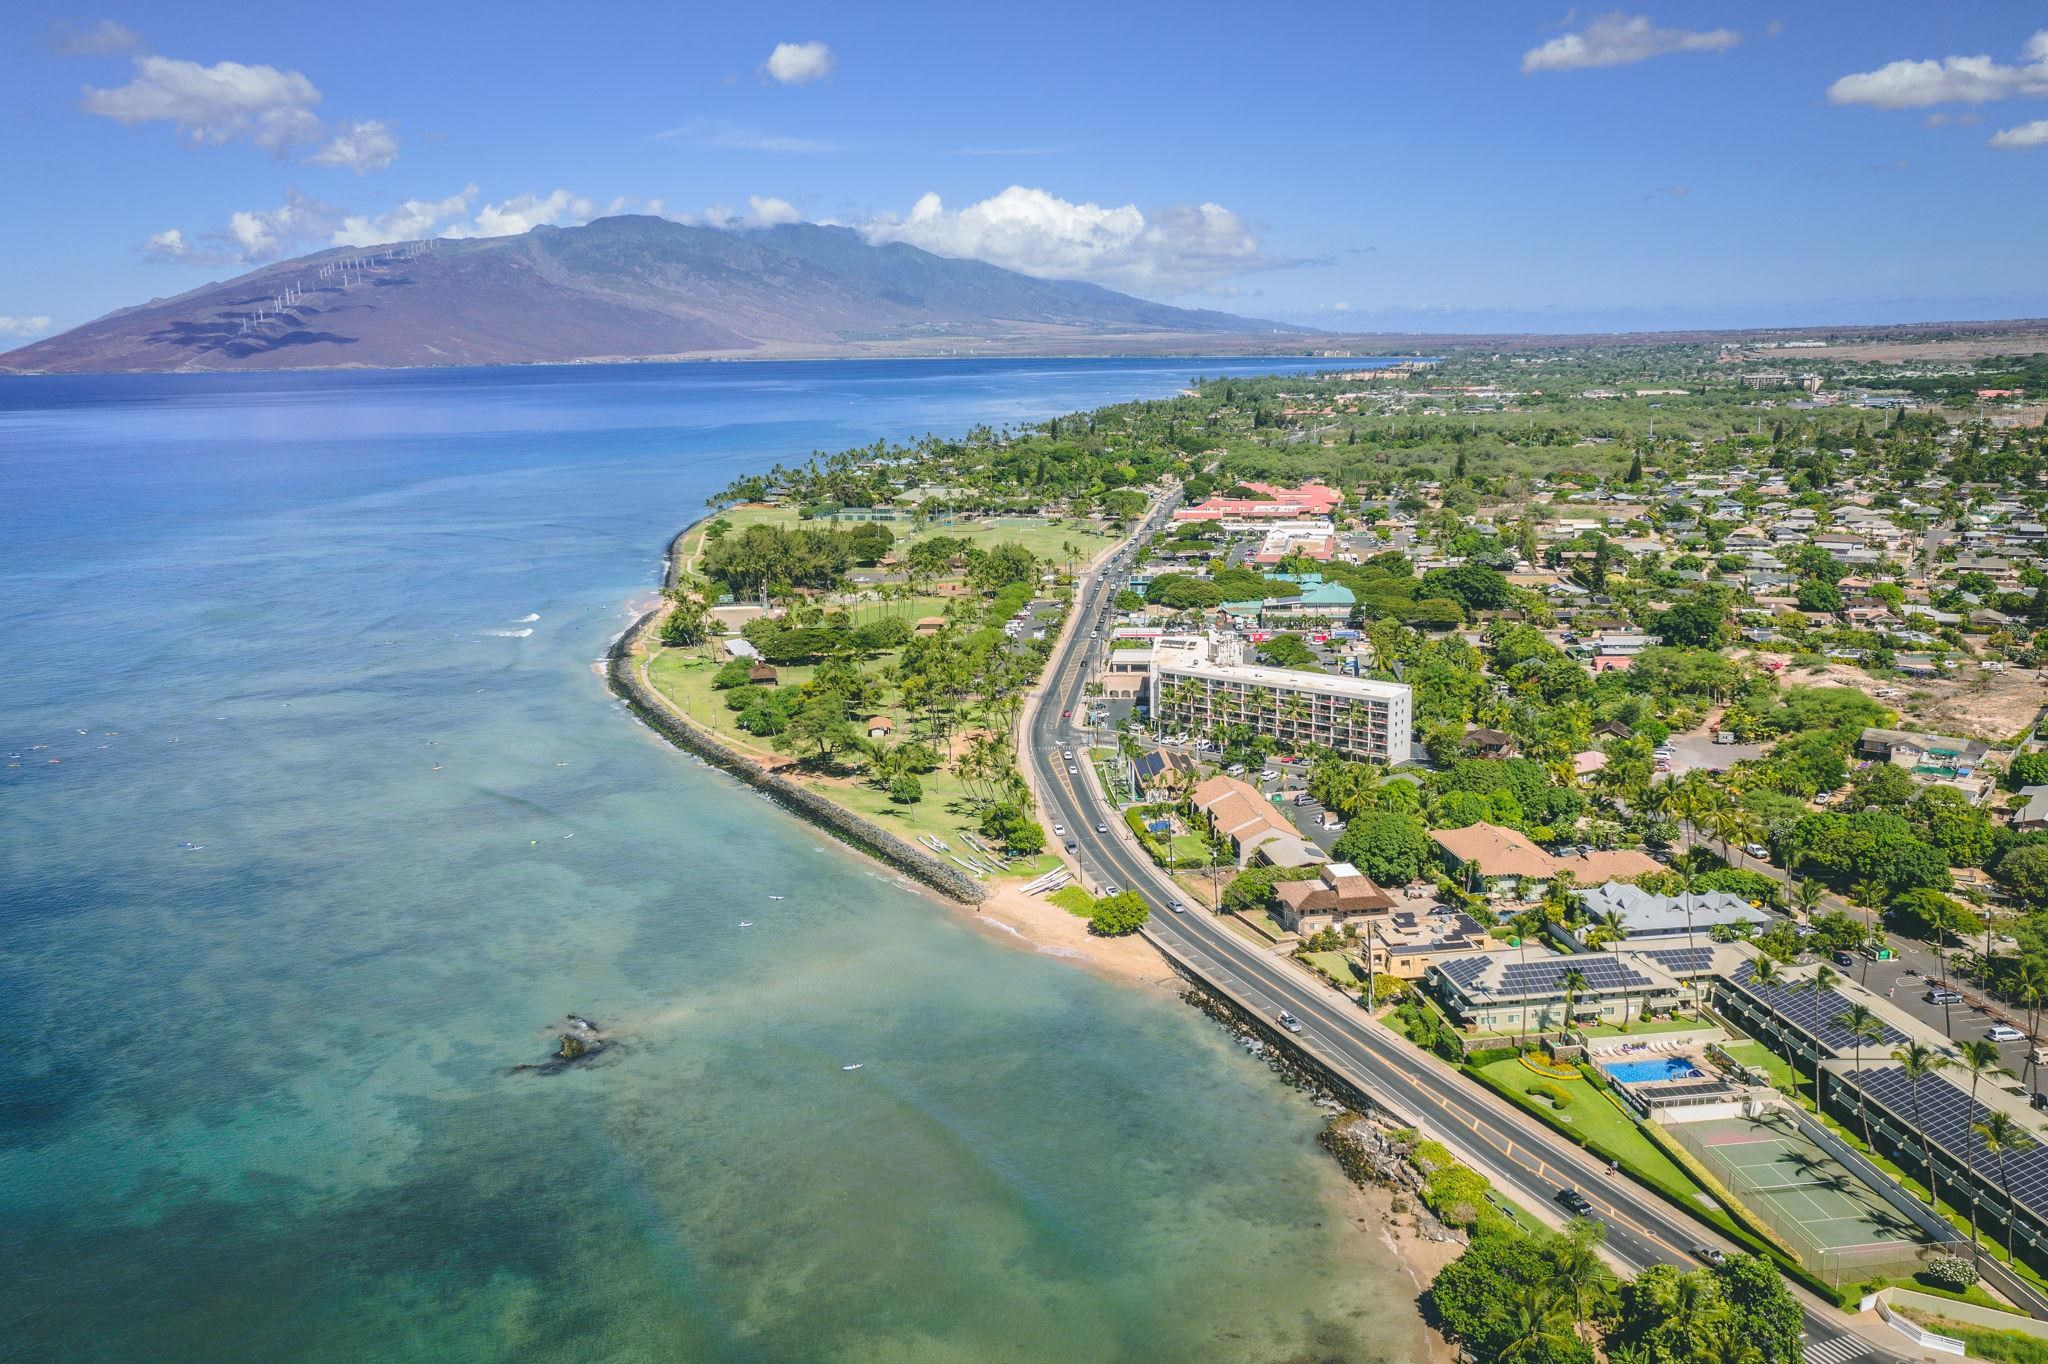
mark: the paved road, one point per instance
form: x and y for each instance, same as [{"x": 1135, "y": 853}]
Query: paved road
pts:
[{"x": 1530, "y": 1162}]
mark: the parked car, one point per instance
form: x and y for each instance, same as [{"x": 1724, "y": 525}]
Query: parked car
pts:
[
  {"x": 1709, "y": 1255},
  {"x": 1935, "y": 995},
  {"x": 1758, "y": 851},
  {"x": 1072, "y": 846},
  {"x": 1059, "y": 830},
  {"x": 1845, "y": 958},
  {"x": 2004, "y": 1032},
  {"x": 1574, "y": 1202},
  {"x": 1289, "y": 1021}
]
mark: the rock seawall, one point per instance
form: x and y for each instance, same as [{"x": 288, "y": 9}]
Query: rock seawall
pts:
[{"x": 844, "y": 825}]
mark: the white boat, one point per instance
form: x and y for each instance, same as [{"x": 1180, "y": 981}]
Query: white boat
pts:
[
  {"x": 855, "y": 1066},
  {"x": 746, "y": 923},
  {"x": 775, "y": 897}
]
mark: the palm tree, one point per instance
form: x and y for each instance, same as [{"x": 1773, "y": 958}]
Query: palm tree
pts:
[
  {"x": 1688, "y": 884},
  {"x": 1770, "y": 978},
  {"x": 1872, "y": 895},
  {"x": 1863, "y": 1027},
  {"x": 2003, "y": 1138},
  {"x": 1574, "y": 982},
  {"x": 1807, "y": 895},
  {"x": 1980, "y": 1057},
  {"x": 1574, "y": 1263},
  {"x": 1539, "y": 1324},
  {"x": 1918, "y": 1062},
  {"x": 1821, "y": 982},
  {"x": 2030, "y": 988}
]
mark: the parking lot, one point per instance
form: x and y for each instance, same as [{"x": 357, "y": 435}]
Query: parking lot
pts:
[{"x": 1698, "y": 752}]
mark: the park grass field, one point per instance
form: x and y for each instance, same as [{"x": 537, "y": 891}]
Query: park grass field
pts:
[{"x": 1063, "y": 540}]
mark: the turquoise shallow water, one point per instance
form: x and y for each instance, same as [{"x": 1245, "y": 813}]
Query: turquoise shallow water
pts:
[{"x": 255, "y": 1101}]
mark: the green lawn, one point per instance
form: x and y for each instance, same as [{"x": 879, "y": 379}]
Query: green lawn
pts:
[
  {"x": 1640, "y": 1028},
  {"x": 1048, "y": 539},
  {"x": 1595, "y": 1122},
  {"x": 1764, "y": 1059},
  {"x": 1339, "y": 967}
]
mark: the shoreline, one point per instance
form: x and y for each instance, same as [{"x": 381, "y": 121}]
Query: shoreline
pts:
[{"x": 1003, "y": 912}]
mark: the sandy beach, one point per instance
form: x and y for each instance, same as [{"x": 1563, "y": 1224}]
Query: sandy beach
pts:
[{"x": 1031, "y": 920}]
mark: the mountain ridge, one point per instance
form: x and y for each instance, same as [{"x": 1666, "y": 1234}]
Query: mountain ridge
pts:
[{"x": 630, "y": 287}]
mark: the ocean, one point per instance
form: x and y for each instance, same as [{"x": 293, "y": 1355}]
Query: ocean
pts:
[{"x": 316, "y": 818}]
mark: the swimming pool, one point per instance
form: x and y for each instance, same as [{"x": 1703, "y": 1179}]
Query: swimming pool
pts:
[{"x": 1656, "y": 1068}]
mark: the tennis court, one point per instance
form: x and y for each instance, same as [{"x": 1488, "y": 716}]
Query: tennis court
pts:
[{"x": 1840, "y": 1228}]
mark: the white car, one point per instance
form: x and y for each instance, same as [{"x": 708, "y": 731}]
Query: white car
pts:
[
  {"x": 1758, "y": 851},
  {"x": 2003, "y": 1032},
  {"x": 1059, "y": 830}
]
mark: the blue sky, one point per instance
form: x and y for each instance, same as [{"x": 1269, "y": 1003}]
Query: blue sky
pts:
[{"x": 1359, "y": 166}]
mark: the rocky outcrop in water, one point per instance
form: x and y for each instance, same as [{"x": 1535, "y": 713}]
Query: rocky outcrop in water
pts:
[{"x": 582, "y": 1043}]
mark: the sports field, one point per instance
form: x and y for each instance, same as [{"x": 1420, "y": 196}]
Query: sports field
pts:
[{"x": 1840, "y": 1227}]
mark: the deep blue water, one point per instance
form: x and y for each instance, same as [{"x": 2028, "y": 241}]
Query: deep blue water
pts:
[{"x": 254, "y": 1102}]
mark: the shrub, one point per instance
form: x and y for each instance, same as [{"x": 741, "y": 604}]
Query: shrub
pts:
[
  {"x": 1116, "y": 915},
  {"x": 906, "y": 790},
  {"x": 734, "y": 673},
  {"x": 1554, "y": 1094},
  {"x": 1949, "y": 1271},
  {"x": 1490, "y": 1055},
  {"x": 763, "y": 721}
]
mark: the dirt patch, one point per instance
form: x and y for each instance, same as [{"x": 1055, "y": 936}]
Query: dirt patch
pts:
[{"x": 1971, "y": 704}]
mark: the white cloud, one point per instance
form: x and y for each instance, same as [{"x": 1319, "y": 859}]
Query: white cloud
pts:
[
  {"x": 1619, "y": 39},
  {"x": 103, "y": 39},
  {"x": 726, "y": 135},
  {"x": 1951, "y": 80},
  {"x": 225, "y": 102},
  {"x": 799, "y": 63},
  {"x": 524, "y": 213},
  {"x": 412, "y": 220},
  {"x": 1174, "y": 251},
  {"x": 2023, "y": 138},
  {"x": 23, "y": 326},
  {"x": 235, "y": 102},
  {"x": 767, "y": 212},
  {"x": 363, "y": 146},
  {"x": 251, "y": 237}
]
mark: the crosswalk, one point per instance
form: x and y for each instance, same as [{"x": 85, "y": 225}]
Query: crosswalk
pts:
[{"x": 1839, "y": 1350}]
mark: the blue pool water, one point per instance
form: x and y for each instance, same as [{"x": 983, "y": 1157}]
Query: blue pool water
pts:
[{"x": 1656, "y": 1068}]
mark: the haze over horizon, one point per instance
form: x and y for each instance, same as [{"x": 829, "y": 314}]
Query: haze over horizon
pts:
[{"x": 1451, "y": 169}]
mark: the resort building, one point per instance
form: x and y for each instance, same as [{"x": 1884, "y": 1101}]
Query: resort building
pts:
[
  {"x": 1338, "y": 895},
  {"x": 1644, "y": 914},
  {"x": 1482, "y": 854},
  {"x": 1311, "y": 499},
  {"x": 1199, "y": 683},
  {"x": 1500, "y": 992},
  {"x": 1240, "y": 815}
]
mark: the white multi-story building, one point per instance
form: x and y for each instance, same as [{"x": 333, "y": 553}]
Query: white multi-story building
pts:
[{"x": 1199, "y": 682}]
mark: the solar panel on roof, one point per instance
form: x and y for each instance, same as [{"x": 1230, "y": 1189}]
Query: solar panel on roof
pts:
[
  {"x": 1684, "y": 961},
  {"x": 1946, "y": 1113},
  {"x": 1813, "y": 1015}
]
